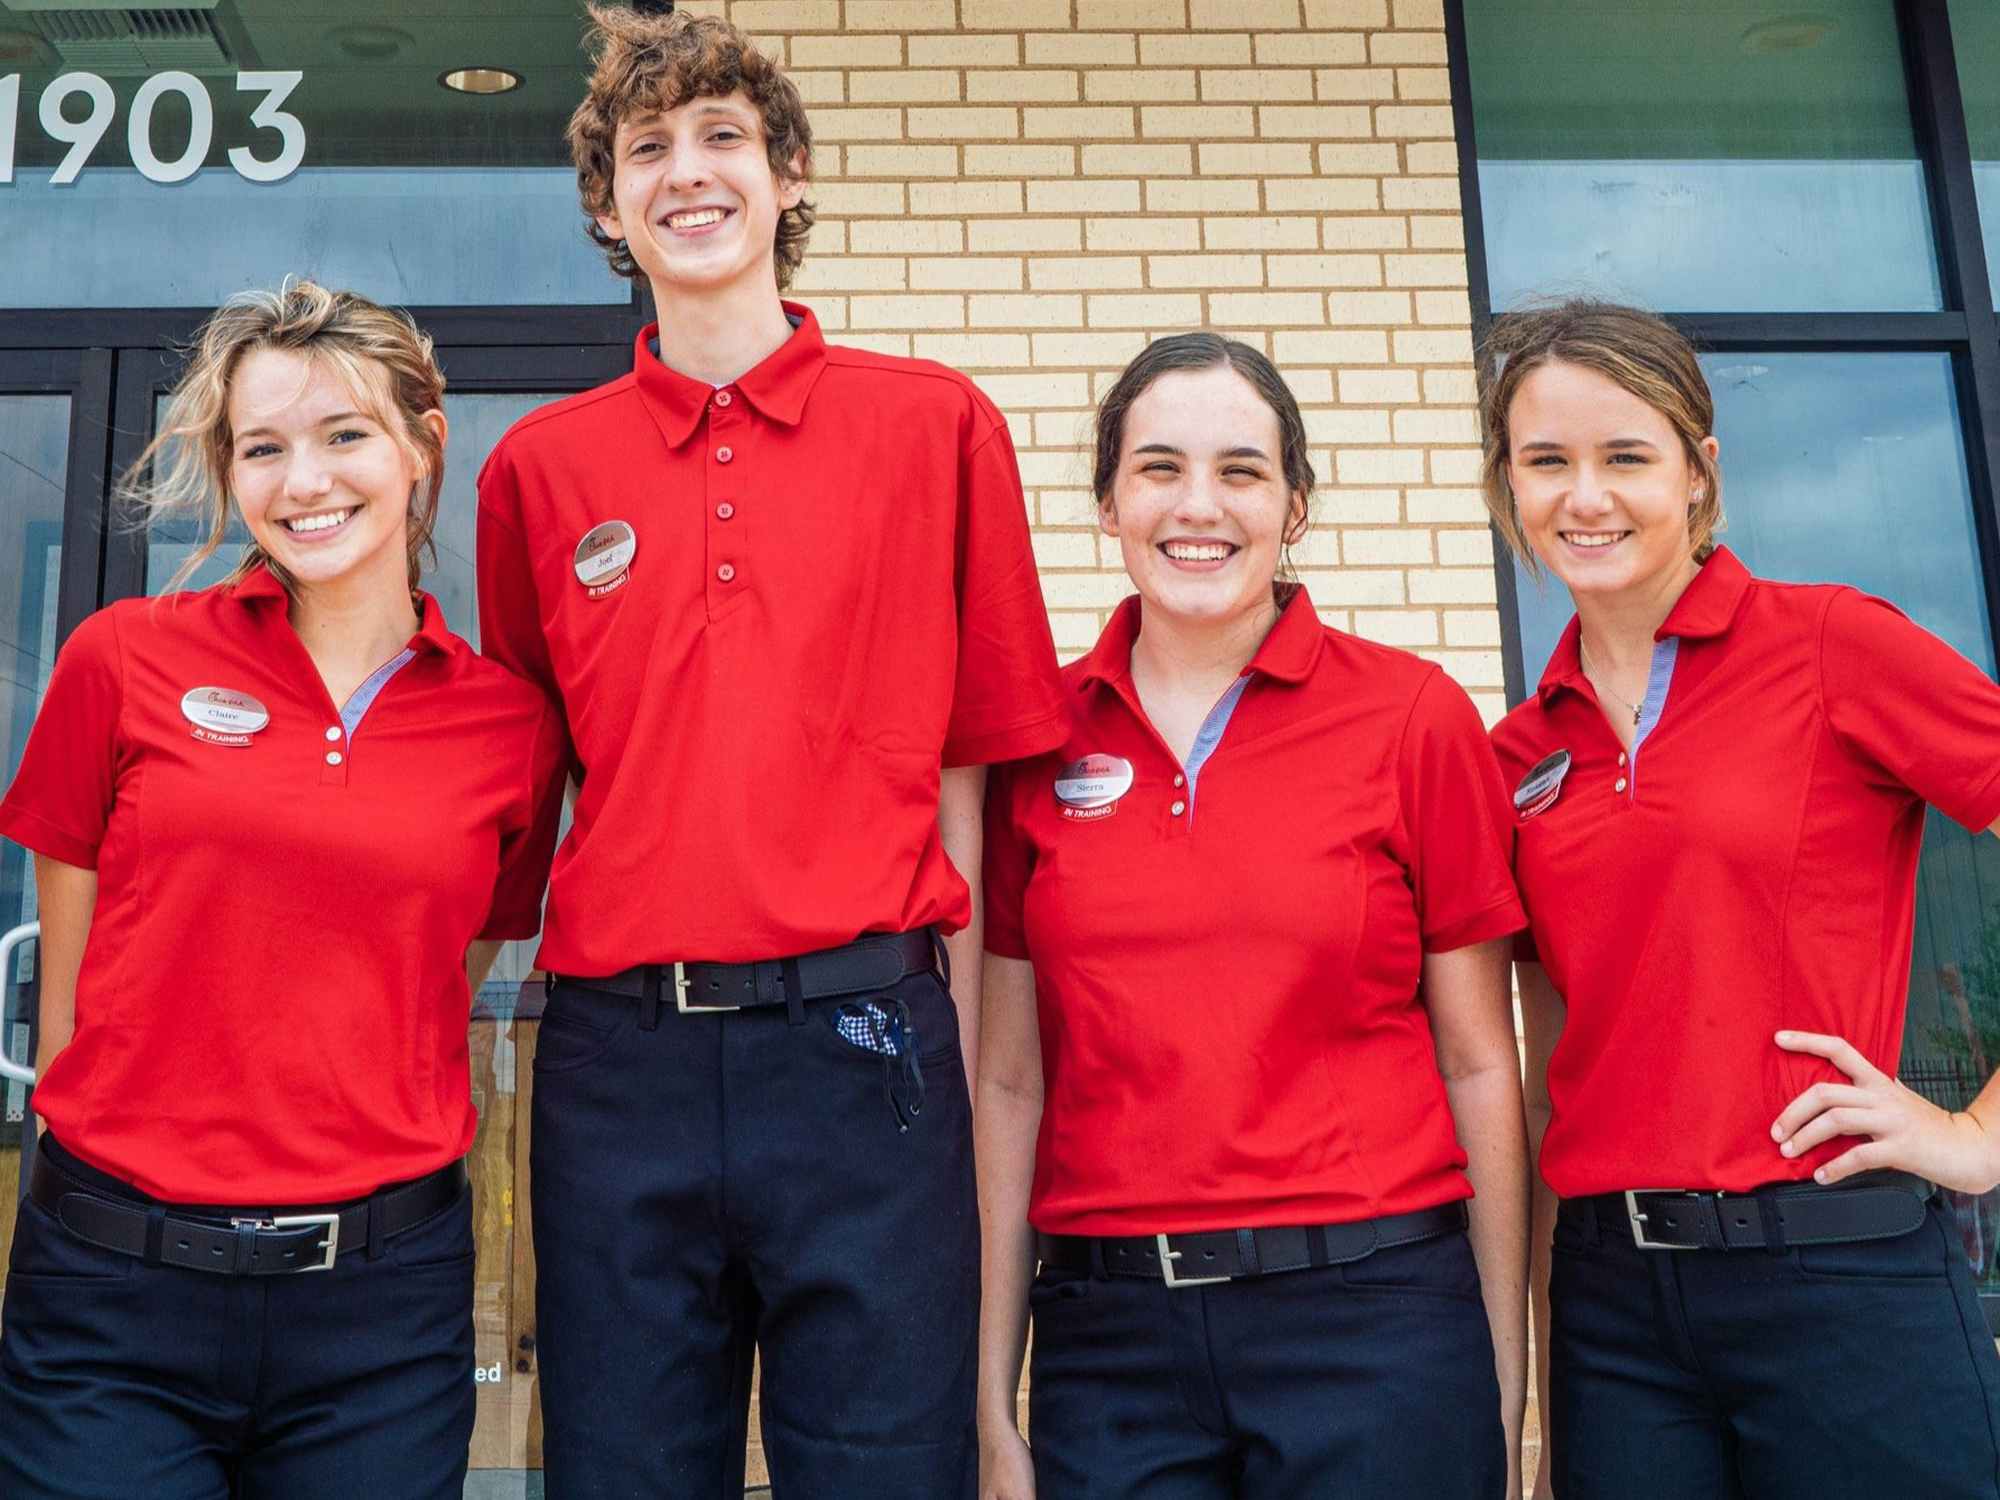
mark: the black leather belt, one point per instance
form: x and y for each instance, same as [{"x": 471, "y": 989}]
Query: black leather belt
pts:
[
  {"x": 1879, "y": 1206},
  {"x": 248, "y": 1244},
  {"x": 875, "y": 961},
  {"x": 1198, "y": 1258}
]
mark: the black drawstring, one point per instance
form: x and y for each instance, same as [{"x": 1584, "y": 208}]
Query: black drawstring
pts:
[{"x": 897, "y": 1043}]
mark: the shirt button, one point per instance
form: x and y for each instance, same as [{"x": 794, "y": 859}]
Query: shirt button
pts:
[
  {"x": 725, "y": 510},
  {"x": 333, "y": 731},
  {"x": 1178, "y": 808},
  {"x": 726, "y": 572},
  {"x": 723, "y": 398},
  {"x": 1621, "y": 757},
  {"x": 1180, "y": 781},
  {"x": 723, "y": 455},
  {"x": 333, "y": 757},
  {"x": 1618, "y": 785}
]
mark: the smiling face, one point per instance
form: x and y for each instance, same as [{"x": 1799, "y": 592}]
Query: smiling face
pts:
[
  {"x": 1602, "y": 482},
  {"x": 322, "y": 485},
  {"x": 694, "y": 196},
  {"x": 1198, "y": 501}
]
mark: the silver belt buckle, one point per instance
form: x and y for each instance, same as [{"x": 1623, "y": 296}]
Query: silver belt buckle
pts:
[
  {"x": 1167, "y": 1259},
  {"x": 330, "y": 1246},
  {"x": 691, "y": 1008},
  {"x": 1638, "y": 1220}
]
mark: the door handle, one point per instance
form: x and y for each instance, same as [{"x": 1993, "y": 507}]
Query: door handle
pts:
[{"x": 8, "y": 943}]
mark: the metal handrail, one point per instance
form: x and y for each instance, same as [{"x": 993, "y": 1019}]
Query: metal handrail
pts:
[{"x": 8, "y": 943}]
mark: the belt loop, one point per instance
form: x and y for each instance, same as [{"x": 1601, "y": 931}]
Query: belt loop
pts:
[
  {"x": 245, "y": 1259},
  {"x": 795, "y": 999},
  {"x": 1774, "y": 1224},
  {"x": 1593, "y": 1227},
  {"x": 942, "y": 953},
  {"x": 156, "y": 1233},
  {"x": 649, "y": 1000},
  {"x": 1097, "y": 1268},
  {"x": 1246, "y": 1251},
  {"x": 378, "y": 1222},
  {"x": 1316, "y": 1244}
]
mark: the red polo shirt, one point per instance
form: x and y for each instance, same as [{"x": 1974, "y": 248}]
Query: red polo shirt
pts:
[
  {"x": 1752, "y": 867},
  {"x": 829, "y": 596},
  {"x": 272, "y": 1006},
  {"x": 1227, "y": 974}
]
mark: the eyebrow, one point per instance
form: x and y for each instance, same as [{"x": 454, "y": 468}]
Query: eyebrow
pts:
[
  {"x": 1169, "y": 448},
  {"x": 339, "y": 416},
  {"x": 1545, "y": 446}
]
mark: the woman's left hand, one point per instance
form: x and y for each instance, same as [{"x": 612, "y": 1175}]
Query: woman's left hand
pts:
[{"x": 1905, "y": 1131}]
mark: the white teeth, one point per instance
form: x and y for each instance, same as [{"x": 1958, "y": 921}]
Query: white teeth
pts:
[
  {"x": 695, "y": 220},
  {"x": 1197, "y": 551},
  {"x": 324, "y": 520},
  {"x": 1592, "y": 538}
]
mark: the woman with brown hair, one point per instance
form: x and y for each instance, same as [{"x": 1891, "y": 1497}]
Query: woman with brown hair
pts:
[
  {"x": 1247, "y": 1043},
  {"x": 1720, "y": 786},
  {"x": 280, "y": 826}
]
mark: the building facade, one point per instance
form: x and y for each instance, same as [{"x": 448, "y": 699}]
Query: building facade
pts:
[{"x": 1030, "y": 190}]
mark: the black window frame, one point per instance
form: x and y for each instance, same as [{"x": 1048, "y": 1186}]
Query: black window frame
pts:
[{"x": 1965, "y": 328}]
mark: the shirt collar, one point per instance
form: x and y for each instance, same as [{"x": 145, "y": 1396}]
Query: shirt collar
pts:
[
  {"x": 777, "y": 386},
  {"x": 1706, "y": 608},
  {"x": 1289, "y": 653},
  {"x": 261, "y": 586}
]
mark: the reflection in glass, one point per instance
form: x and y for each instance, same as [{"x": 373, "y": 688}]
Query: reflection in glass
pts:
[
  {"x": 1975, "y": 39},
  {"x": 1851, "y": 468},
  {"x": 314, "y": 140},
  {"x": 1722, "y": 158},
  {"x": 34, "y": 465}
]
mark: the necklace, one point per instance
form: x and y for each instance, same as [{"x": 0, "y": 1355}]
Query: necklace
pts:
[{"x": 1622, "y": 702}]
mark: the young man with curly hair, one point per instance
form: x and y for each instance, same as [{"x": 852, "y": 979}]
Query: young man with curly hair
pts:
[{"x": 785, "y": 594}]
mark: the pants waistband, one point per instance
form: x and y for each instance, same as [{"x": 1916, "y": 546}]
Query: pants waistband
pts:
[
  {"x": 1226, "y": 1254},
  {"x": 1873, "y": 1206}
]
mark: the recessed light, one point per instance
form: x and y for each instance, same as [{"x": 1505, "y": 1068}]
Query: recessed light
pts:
[
  {"x": 372, "y": 43},
  {"x": 1787, "y": 34},
  {"x": 480, "y": 80}
]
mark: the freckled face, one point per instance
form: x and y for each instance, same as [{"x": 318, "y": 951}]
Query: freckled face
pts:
[
  {"x": 1198, "y": 503},
  {"x": 694, "y": 196},
  {"x": 322, "y": 486},
  {"x": 1602, "y": 481}
]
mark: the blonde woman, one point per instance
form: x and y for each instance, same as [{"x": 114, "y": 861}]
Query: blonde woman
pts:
[
  {"x": 278, "y": 826},
  {"x": 1720, "y": 787}
]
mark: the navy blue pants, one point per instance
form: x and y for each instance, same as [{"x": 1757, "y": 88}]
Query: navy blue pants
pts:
[
  {"x": 728, "y": 1183},
  {"x": 1827, "y": 1372},
  {"x": 123, "y": 1381},
  {"x": 1368, "y": 1381}
]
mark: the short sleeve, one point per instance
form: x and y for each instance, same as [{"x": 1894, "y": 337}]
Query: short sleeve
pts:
[
  {"x": 1006, "y": 697},
  {"x": 1458, "y": 820},
  {"x": 527, "y": 846},
  {"x": 1911, "y": 709},
  {"x": 61, "y": 799},
  {"x": 1006, "y": 865},
  {"x": 510, "y": 616}
]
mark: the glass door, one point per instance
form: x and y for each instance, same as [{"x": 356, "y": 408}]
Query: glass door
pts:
[{"x": 53, "y": 443}]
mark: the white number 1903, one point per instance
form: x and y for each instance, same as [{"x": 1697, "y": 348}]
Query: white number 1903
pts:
[{"x": 82, "y": 135}]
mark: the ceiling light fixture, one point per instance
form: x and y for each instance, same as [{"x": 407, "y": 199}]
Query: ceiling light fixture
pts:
[
  {"x": 481, "y": 80},
  {"x": 1787, "y": 34}
]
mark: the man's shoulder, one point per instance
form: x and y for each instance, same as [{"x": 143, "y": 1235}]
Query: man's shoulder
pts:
[
  {"x": 922, "y": 382},
  {"x": 565, "y": 420}
]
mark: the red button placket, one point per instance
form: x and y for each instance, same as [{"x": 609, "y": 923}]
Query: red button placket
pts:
[{"x": 724, "y": 432}]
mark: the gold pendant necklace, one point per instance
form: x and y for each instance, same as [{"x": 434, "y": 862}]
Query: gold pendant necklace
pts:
[{"x": 1604, "y": 687}]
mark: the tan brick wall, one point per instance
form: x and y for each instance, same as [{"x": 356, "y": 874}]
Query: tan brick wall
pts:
[{"x": 1031, "y": 189}]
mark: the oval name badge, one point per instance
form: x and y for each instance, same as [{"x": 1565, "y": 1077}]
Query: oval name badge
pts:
[
  {"x": 1091, "y": 787},
  {"x": 603, "y": 558},
  {"x": 223, "y": 716},
  {"x": 1539, "y": 788}
]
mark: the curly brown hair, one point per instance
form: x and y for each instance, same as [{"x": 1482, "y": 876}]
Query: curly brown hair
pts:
[{"x": 646, "y": 64}]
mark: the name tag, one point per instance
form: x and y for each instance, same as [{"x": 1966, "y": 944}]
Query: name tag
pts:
[
  {"x": 1091, "y": 787},
  {"x": 1541, "y": 786},
  {"x": 222, "y": 716},
  {"x": 603, "y": 559}
]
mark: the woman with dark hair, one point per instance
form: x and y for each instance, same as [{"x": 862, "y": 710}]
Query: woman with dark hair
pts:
[
  {"x": 1245, "y": 996},
  {"x": 1749, "y": 1286}
]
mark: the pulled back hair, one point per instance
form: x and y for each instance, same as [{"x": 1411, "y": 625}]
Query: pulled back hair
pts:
[
  {"x": 1632, "y": 348},
  {"x": 381, "y": 356},
  {"x": 645, "y": 63}
]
